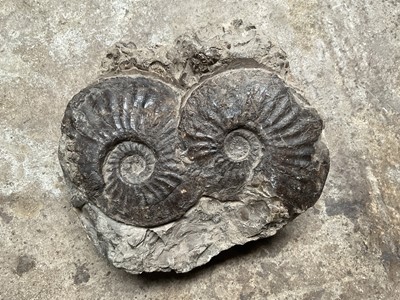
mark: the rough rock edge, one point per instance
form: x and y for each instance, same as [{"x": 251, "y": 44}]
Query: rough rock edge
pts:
[
  {"x": 194, "y": 56},
  {"x": 207, "y": 229},
  {"x": 211, "y": 226}
]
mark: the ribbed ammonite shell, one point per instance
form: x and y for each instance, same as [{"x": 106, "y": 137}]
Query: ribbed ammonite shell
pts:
[
  {"x": 120, "y": 150},
  {"x": 144, "y": 155},
  {"x": 246, "y": 125}
]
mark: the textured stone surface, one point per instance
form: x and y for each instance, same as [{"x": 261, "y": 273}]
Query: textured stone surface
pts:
[
  {"x": 144, "y": 153},
  {"x": 345, "y": 57},
  {"x": 207, "y": 229}
]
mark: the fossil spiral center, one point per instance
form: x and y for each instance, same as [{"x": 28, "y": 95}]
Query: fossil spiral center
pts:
[
  {"x": 131, "y": 162},
  {"x": 236, "y": 147},
  {"x": 238, "y": 144},
  {"x": 132, "y": 165}
]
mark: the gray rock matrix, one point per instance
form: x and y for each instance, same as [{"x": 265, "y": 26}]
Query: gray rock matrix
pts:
[{"x": 168, "y": 171}]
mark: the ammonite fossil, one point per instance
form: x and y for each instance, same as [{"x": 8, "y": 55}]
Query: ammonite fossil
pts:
[
  {"x": 245, "y": 122},
  {"x": 144, "y": 152},
  {"x": 122, "y": 150}
]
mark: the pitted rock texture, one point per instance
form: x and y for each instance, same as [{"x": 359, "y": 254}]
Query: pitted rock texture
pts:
[
  {"x": 169, "y": 177},
  {"x": 344, "y": 58},
  {"x": 206, "y": 229}
]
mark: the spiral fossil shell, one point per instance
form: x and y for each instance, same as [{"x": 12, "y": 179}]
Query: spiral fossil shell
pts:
[
  {"x": 144, "y": 155},
  {"x": 254, "y": 109},
  {"x": 121, "y": 141}
]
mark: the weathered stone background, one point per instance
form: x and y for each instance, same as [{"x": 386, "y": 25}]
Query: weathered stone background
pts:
[{"x": 345, "y": 56}]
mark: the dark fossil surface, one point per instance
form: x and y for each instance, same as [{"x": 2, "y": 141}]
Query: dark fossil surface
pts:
[
  {"x": 121, "y": 150},
  {"x": 167, "y": 176}
]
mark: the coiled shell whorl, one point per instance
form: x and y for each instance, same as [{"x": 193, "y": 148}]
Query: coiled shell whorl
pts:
[
  {"x": 245, "y": 125},
  {"x": 144, "y": 155},
  {"x": 120, "y": 150}
]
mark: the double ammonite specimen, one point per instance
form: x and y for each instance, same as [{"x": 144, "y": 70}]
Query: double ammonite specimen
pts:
[{"x": 144, "y": 151}]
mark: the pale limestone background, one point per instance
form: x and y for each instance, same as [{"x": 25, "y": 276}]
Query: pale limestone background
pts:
[{"x": 345, "y": 56}]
